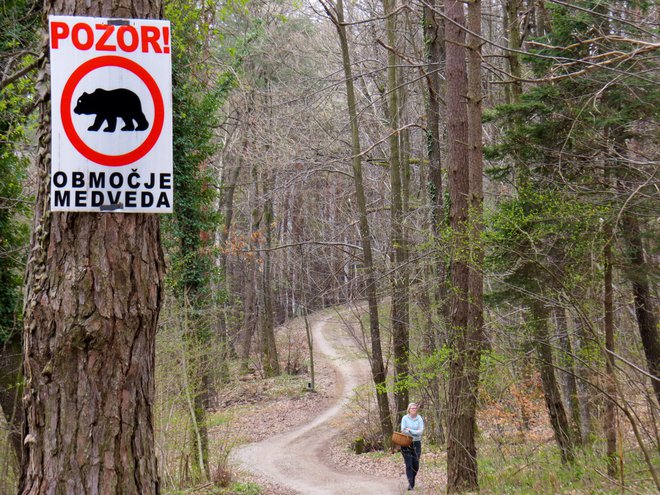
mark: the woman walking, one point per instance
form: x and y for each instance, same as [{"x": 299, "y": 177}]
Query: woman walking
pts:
[{"x": 412, "y": 424}]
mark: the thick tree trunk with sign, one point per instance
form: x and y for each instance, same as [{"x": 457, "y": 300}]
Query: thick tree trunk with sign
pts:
[{"x": 93, "y": 295}]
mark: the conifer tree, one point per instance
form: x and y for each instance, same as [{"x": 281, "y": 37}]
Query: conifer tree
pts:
[{"x": 93, "y": 296}]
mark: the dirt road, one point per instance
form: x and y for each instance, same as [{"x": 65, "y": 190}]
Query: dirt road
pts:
[{"x": 295, "y": 459}]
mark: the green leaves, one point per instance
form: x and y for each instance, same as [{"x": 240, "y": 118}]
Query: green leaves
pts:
[
  {"x": 196, "y": 100},
  {"x": 18, "y": 31},
  {"x": 542, "y": 240},
  {"x": 206, "y": 61}
]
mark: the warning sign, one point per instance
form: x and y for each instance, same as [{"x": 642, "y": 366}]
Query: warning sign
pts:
[{"x": 111, "y": 115}]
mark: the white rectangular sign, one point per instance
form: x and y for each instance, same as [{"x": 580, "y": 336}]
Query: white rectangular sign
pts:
[{"x": 111, "y": 115}]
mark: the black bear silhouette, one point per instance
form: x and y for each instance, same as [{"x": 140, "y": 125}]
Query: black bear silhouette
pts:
[{"x": 110, "y": 104}]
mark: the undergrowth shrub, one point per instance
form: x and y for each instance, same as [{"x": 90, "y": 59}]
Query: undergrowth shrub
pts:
[{"x": 362, "y": 421}]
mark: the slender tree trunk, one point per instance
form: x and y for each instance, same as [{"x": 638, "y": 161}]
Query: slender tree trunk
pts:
[
  {"x": 610, "y": 418},
  {"x": 553, "y": 402},
  {"x": 305, "y": 312},
  {"x": 296, "y": 222},
  {"x": 584, "y": 348},
  {"x": 192, "y": 293},
  {"x": 196, "y": 387},
  {"x": 377, "y": 365},
  {"x": 435, "y": 429},
  {"x": 251, "y": 308},
  {"x": 398, "y": 248},
  {"x": 252, "y": 304},
  {"x": 475, "y": 141},
  {"x": 270, "y": 361},
  {"x": 434, "y": 38},
  {"x": 647, "y": 322},
  {"x": 226, "y": 205},
  {"x": 568, "y": 381},
  {"x": 512, "y": 26},
  {"x": 433, "y": 41},
  {"x": 541, "y": 16},
  {"x": 197, "y": 383},
  {"x": 268, "y": 346},
  {"x": 11, "y": 391},
  {"x": 475, "y": 324},
  {"x": 93, "y": 296}
]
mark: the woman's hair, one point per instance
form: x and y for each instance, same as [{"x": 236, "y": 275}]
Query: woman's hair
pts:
[{"x": 412, "y": 404}]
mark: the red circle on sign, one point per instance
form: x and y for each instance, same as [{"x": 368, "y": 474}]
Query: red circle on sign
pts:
[{"x": 67, "y": 121}]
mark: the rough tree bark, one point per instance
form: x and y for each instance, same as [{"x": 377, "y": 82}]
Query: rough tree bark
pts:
[
  {"x": 475, "y": 324},
  {"x": 93, "y": 295},
  {"x": 461, "y": 448}
]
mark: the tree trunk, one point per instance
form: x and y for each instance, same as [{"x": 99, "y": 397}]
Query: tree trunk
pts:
[
  {"x": 436, "y": 337},
  {"x": 433, "y": 393},
  {"x": 512, "y": 26},
  {"x": 226, "y": 206},
  {"x": 93, "y": 296},
  {"x": 553, "y": 402},
  {"x": 568, "y": 381},
  {"x": 251, "y": 309},
  {"x": 11, "y": 391},
  {"x": 251, "y": 290},
  {"x": 646, "y": 319},
  {"x": 433, "y": 41},
  {"x": 398, "y": 248},
  {"x": 433, "y": 38},
  {"x": 268, "y": 346},
  {"x": 461, "y": 448},
  {"x": 475, "y": 141},
  {"x": 541, "y": 16},
  {"x": 584, "y": 348},
  {"x": 305, "y": 312},
  {"x": 377, "y": 366},
  {"x": 610, "y": 418},
  {"x": 196, "y": 387},
  {"x": 475, "y": 323}
]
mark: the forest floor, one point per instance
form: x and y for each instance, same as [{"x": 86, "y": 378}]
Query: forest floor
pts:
[
  {"x": 300, "y": 445},
  {"x": 274, "y": 437},
  {"x": 311, "y": 457}
]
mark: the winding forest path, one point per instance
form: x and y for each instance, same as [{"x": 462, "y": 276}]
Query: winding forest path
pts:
[{"x": 296, "y": 459}]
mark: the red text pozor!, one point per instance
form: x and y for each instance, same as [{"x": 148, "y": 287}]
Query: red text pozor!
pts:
[{"x": 110, "y": 38}]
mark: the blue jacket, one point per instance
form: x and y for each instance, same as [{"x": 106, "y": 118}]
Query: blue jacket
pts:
[{"x": 414, "y": 427}]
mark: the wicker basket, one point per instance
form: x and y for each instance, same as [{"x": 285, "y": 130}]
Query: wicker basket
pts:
[{"x": 401, "y": 439}]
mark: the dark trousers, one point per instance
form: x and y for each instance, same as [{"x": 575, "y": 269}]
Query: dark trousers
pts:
[{"x": 411, "y": 456}]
